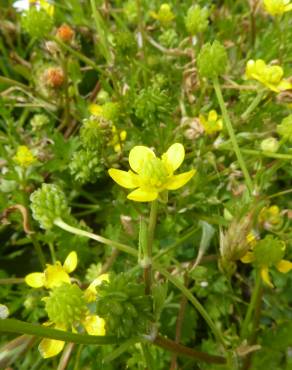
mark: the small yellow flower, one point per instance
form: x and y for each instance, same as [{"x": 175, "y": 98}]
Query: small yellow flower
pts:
[
  {"x": 270, "y": 216},
  {"x": 24, "y": 156},
  {"x": 266, "y": 253},
  {"x": 152, "y": 175},
  {"x": 277, "y": 7},
  {"x": 269, "y": 76},
  {"x": 164, "y": 15},
  {"x": 53, "y": 275},
  {"x": 212, "y": 124}
]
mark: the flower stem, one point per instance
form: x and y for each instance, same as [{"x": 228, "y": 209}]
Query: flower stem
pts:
[
  {"x": 17, "y": 326},
  {"x": 218, "y": 335},
  {"x": 74, "y": 230},
  {"x": 180, "y": 349},
  {"x": 231, "y": 133},
  {"x": 256, "y": 101},
  {"x": 148, "y": 249},
  {"x": 251, "y": 306}
]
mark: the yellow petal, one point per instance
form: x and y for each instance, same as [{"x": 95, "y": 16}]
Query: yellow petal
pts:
[
  {"x": 140, "y": 195},
  {"x": 284, "y": 85},
  {"x": 138, "y": 156},
  {"x": 212, "y": 116},
  {"x": 178, "y": 181},
  {"x": 128, "y": 180},
  {"x": 266, "y": 277},
  {"x": 94, "y": 325},
  {"x": 247, "y": 258},
  {"x": 288, "y": 7},
  {"x": 55, "y": 275},
  {"x": 123, "y": 135},
  {"x": 35, "y": 279},
  {"x": 90, "y": 292},
  {"x": 71, "y": 261},
  {"x": 50, "y": 347},
  {"x": 284, "y": 266},
  {"x": 174, "y": 157}
]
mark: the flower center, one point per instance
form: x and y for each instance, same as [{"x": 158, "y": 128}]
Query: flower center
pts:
[
  {"x": 269, "y": 251},
  {"x": 66, "y": 305},
  {"x": 154, "y": 173}
]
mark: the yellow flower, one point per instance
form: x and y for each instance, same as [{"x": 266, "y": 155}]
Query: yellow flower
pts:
[
  {"x": 67, "y": 309},
  {"x": 266, "y": 253},
  {"x": 212, "y": 124},
  {"x": 53, "y": 275},
  {"x": 152, "y": 175},
  {"x": 270, "y": 76},
  {"x": 24, "y": 156},
  {"x": 44, "y": 4},
  {"x": 164, "y": 15},
  {"x": 93, "y": 324},
  {"x": 277, "y": 7},
  {"x": 96, "y": 110}
]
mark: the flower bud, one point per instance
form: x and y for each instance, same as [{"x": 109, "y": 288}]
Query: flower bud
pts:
[
  {"x": 196, "y": 20},
  {"x": 212, "y": 60},
  {"x": 39, "y": 120},
  {"x": 65, "y": 33},
  {"x": 164, "y": 15},
  {"x": 285, "y": 128},
  {"x": 54, "y": 77},
  {"x": 47, "y": 204},
  {"x": 270, "y": 145}
]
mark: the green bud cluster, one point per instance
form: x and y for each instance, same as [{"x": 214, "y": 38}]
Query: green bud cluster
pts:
[
  {"x": 85, "y": 166},
  {"x": 37, "y": 23},
  {"x": 124, "y": 306},
  {"x": 168, "y": 38},
  {"x": 91, "y": 134},
  {"x": 39, "y": 120},
  {"x": 152, "y": 105},
  {"x": 196, "y": 20},
  {"x": 125, "y": 43},
  {"x": 269, "y": 251},
  {"x": 111, "y": 111},
  {"x": 212, "y": 60},
  {"x": 47, "y": 204},
  {"x": 66, "y": 305},
  {"x": 285, "y": 128}
]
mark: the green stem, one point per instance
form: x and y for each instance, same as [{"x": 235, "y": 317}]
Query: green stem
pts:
[
  {"x": 100, "y": 28},
  {"x": 78, "y": 55},
  {"x": 74, "y": 230},
  {"x": 182, "y": 350},
  {"x": 231, "y": 133},
  {"x": 252, "y": 305},
  {"x": 194, "y": 301},
  {"x": 38, "y": 250},
  {"x": 256, "y": 101},
  {"x": 176, "y": 244},
  {"x": 259, "y": 153},
  {"x": 17, "y": 326},
  {"x": 148, "y": 249}
]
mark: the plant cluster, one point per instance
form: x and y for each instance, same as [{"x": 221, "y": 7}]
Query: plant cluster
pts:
[{"x": 145, "y": 187}]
